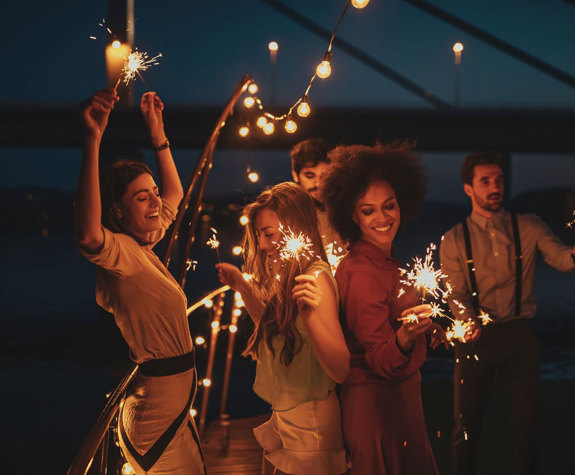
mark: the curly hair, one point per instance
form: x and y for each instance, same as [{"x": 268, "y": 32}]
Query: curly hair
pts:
[
  {"x": 296, "y": 211},
  {"x": 354, "y": 167},
  {"x": 309, "y": 153},
  {"x": 478, "y": 158}
]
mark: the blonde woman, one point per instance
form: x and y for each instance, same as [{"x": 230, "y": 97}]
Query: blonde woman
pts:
[{"x": 297, "y": 342}]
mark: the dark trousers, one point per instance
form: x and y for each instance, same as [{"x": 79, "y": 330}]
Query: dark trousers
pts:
[{"x": 510, "y": 351}]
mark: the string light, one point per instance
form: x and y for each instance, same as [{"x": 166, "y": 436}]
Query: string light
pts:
[
  {"x": 290, "y": 126},
  {"x": 216, "y": 325},
  {"x": 237, "y": 312},
  {"x": 269, "y": 128},
  {"x": 207, "y": 382},
  {"x": 116, "y": 44},
  {"x": 244, "y": 220},
  {"x": 233, "y": 328},
  {"x": 457, "y": 47},
  {"x": 208, "y": 303},
  {"x": 237, "y": 250},
  {"x": 249, "y": 102},
  {"x": 254, "y": 176},
  {"x": 261, "y": 121},
  {"x": 359, "y": 4},
  {"x": 273, "y": 46},
  {"x": 193, "y": 412},
  {"x": 200, "y": 340},
  {"x": 253, "y": 88},
  {"x": 303, "y": 110},
  {"x": 323, "y": 69},
  {"x": 244, "y": 131}
]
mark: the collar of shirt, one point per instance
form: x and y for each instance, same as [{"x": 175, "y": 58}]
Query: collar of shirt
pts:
[
  {"x": 498, "y": 219},
  {"x": 373, "y": 253}
]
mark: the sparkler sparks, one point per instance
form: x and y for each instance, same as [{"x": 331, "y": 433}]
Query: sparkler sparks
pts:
[
  {"x": 334, "y": 255},
  {"x": 459, "y": 331},
  {"x": 214, "y": 243},
  {"x": 292, "y": 246},
  {"x": 136, "y": 62},
  {"x": 424, "y": 277},
  {"x": 485, "y": 318},
  {"x": 571, "y": 224}
]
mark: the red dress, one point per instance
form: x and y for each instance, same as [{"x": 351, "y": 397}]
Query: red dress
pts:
[{"x": 383, "y": 421}]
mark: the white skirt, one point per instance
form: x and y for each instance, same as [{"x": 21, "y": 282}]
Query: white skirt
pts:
[{"x": 306, "y": 439}]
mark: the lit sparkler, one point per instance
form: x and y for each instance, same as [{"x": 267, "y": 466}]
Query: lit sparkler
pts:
[
  {"x": 571, "y": 224},
  {"x": 484, "y": 318},
  {"x": 424, "y": 277},
  {"x": 294, "y": 246},
  {"x": 214, "y": 243},
  {"x": 136, "y": 62},
  {"x": 334, "y": 255},
  {"x": 459, "y": 331}
]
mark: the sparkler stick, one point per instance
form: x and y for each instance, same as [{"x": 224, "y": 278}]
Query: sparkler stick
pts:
[
  {"x": 293, "y": 246},
  {"x": 214, "y": 243}
]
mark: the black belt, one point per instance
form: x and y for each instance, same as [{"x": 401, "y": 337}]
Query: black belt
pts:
[{"x": 168, "y": 366}]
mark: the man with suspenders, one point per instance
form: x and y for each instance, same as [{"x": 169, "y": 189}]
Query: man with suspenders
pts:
[{"x": 489, "y": 259}]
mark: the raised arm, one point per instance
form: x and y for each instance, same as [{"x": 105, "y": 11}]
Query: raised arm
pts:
[
  {"x": 318, "y": 310},
  {"x": 232, "y": 276},
  {"x": 88, "y": 211},
  {"x": 152, "y": 107}
]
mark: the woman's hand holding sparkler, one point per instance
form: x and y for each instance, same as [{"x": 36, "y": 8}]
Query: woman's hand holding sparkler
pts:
[
  {"x": 230, "y": 275},
  {"x": 416, "y": 321},
  {"x": 152, "y": 106},
  {"x": 307, "y": 294},
  {"x": 96, "y": 111}
]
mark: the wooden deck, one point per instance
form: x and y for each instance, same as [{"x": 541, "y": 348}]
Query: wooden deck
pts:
[{"x": 237, "y": 454}]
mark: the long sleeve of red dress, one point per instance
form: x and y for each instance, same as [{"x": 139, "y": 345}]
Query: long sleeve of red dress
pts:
[{"x": 369, "y": 286}]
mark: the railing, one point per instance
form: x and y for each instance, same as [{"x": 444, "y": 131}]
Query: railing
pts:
[{"x": 94, "y": 455}]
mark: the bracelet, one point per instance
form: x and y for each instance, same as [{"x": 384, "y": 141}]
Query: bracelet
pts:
[{"x": 163, "y": 146}]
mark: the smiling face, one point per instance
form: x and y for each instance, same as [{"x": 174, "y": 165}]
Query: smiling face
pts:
[
  {"x": 140, "y": 207},
  {"x": 486, "y": 189},
  {"x": 267, "y": 224},
  {"x": 377, "y": 214},
  {"x": 310, "y": 179}
]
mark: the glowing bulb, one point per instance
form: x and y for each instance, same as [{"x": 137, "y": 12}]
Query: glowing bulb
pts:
[
  {"x": 239, "y": 303},
  {"x": 127, "y": 469},
  {"x": 359, "y": 3},
  {"x": 116, "y": 44},
  {"x": 207, "y": 382},
  {"x": 253, "y": 88},
  {"x": 237, "y": 296},
  {"x": 237, "y": 312},
  {"x": 233, "y": 328},
  {"x": 237, "y": 250},
  {"x": 457, "y": 47},
  {"x": 303, "y": 110},
  {"x": 193, "y": 412},
  {"x": 244, "y": 131},
  {"x": 200, "y": 340},
  {"x": 216, "y": 325},
  {"x": 253, "y": 176},
  {"x": 249, "y": 102},
  {"x": 261, "y": 121},
  {"x": 247, "y": 277},
  {"x": 269, "y": 128},
  {"x": 208, "y": 303},
  {"x": 324, "y": 69},
  {"x": 273, "y": 46},
  {"x": 290, "y": 126},
  {"x": 244, "y": 220}
]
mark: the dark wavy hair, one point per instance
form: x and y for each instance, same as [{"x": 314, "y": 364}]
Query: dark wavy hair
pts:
[
  {"x": 478, "y": 158},
  {"x": 309, "y": 153},
  {"x": 297, "y": 212},
  {"x": 354, "y": 167},
  {"x": 115, "y": 180}
]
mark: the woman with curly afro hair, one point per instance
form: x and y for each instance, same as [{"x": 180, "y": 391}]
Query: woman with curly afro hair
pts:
[{"x": 370, "y": 192}]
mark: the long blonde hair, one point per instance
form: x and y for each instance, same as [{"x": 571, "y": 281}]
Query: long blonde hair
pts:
[{"x": 297, "y": 212}]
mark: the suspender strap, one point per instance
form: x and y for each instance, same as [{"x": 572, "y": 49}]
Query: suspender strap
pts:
[
  {"x": 518, "y": 264},
  {"x": 470, "y": 265}
]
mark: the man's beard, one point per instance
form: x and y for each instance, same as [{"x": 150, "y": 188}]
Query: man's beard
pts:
[{"x": 486, "y": 205}]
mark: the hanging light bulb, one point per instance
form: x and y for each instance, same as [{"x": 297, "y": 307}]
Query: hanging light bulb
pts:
[
  {"x": 273, "y": 46},
  {"x": 193, "y": 412},
  {"x": 244, "y": 220},
  {"x": 457, "y": 47},
  {"x": 233, "y": 328},
  {"x": 290, "y": 126},
  {"x": 253, "y": 88},
  {"x": 303, "y": 110},
  {"x": 269, "y": 128},
  {"x": 208, "y": 303},
  {"x": 216, "y": 325},
  {"x": 237, "y": 250},
  {"x": 244, "y": 131},
  {"x": 261, "y": 121},
  {"x": 200, "y": 340},
  {"x": 359, "y": 4},
  {"x": 253, "y": 176},
  {"x": 249, "y": 102},
  {"x": 116, "y": 44},
  {"x": 207, "y": 382},
  {"x": 237, "y": 312},
  {"x": 323, "y": 69}
]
